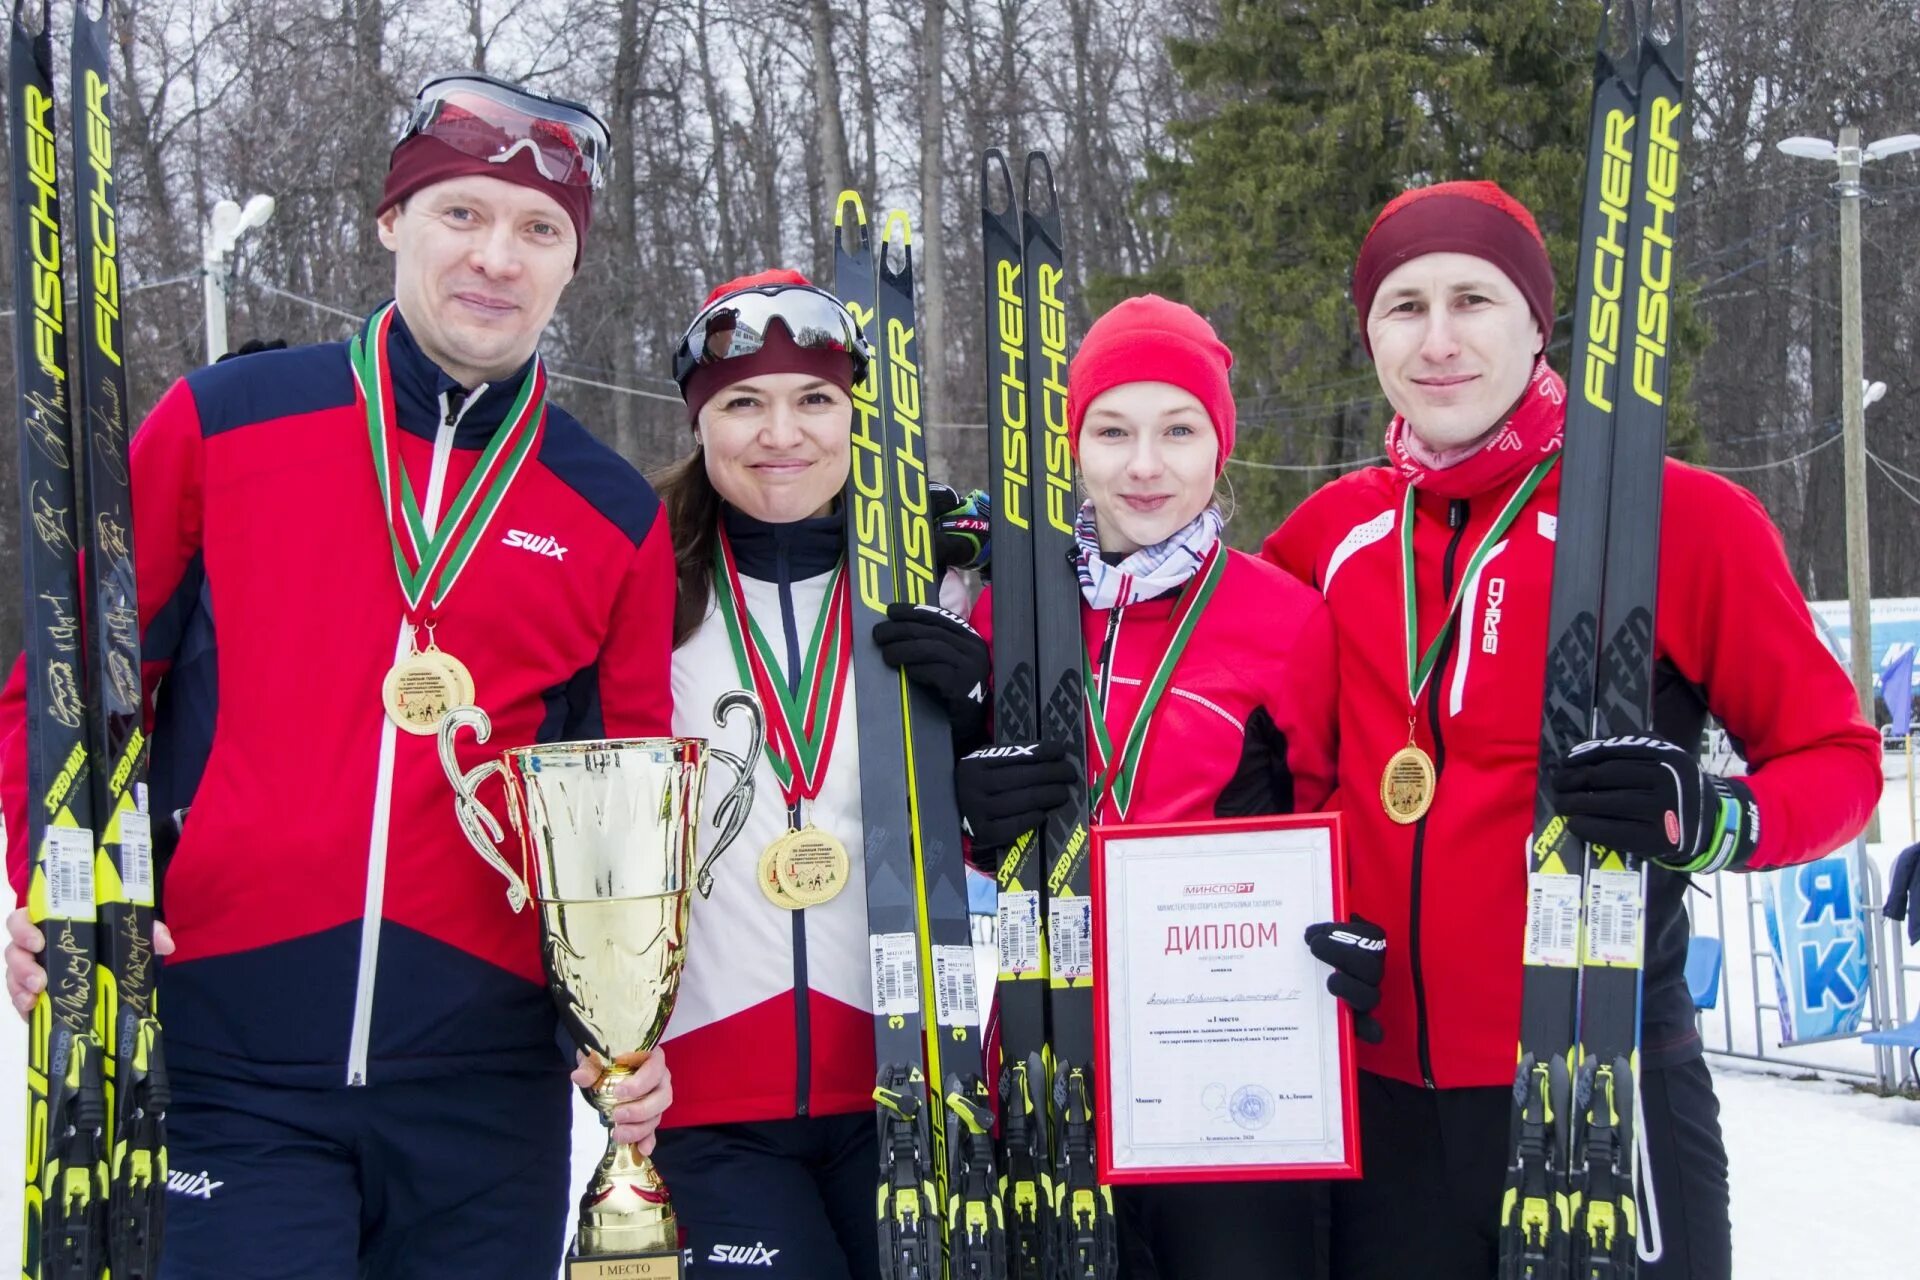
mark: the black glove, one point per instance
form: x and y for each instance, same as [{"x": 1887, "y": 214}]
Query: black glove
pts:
[
  {"x": 962, "y": 527},
  {"x": 1648, "y": 797},
  {"x": 1903, "y": 892},
  {"x": 1357, "y": 951},
  {"x": 1004, "y": 791},
  {"x": 941, "y": 653},
  {"x": 253, "y": 346}
]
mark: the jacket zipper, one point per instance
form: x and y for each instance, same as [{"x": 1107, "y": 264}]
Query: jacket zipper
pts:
[
  {"x": 372, "y": 913},
  {"x": 1457, "y": 511},
  {"x": 802, "y": 1012}
]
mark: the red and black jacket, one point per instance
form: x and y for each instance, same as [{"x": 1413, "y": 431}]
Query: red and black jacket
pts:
[
  {"x": 1246, "y": 725},
  {"x": 333, "y": 925},
  {"x": 1450, "y": 890}
]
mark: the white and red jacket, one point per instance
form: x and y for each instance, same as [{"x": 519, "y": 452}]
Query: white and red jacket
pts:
[
  {"x": 1450, "y": 890},
  {"x": 333, "y": 925}
]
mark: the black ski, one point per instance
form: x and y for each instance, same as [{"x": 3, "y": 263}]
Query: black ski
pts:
[
  {"x": 135, "y": 1075},
  {"x": 1607, "y": 1071},
  {"x": 1084, "y": 1234},
  {"x": 1025, "y": 1175},
  {"x": 66, "y": 1173},
  {"x": 962, "y": 1147},
  {"x": 909, "y": 1213}
]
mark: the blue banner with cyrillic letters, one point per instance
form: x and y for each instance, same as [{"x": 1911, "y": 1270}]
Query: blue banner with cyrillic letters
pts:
[{"x": 1819, "y": 947}]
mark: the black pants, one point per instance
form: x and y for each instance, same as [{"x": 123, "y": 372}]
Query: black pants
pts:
[
  {"x": 462, "y": 1176},
  {"x": 777, "y": 1198},
  {"x": 1223, "y": 1231},
  {"x": 1435, "y": 1165}
]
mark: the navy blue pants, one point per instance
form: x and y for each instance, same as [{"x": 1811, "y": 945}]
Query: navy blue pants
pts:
[
  {"x": 461, "y": 1176},
  {"x": 777, "y": 1198}
]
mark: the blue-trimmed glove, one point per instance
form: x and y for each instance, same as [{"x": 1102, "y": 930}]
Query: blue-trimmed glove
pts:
[
  {"x": 962, "y": 527},
  {"x": 1649, "y": 797}
]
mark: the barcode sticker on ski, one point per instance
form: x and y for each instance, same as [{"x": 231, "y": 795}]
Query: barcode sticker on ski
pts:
[
  {"x": 956, "y": 990},
  {"x": 1020, "y": 932},
  {"x": 896, "y": 974},
  {"x": 136, "y": 857},
  {"x": 1553, "y": 920},
  {"x": 1070, "y": 936},
  {"x": 1615, "y": 909},
  {"x": 68, "y": 854}
]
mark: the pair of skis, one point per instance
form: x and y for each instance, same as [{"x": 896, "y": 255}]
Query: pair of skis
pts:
[
  {"x": 97, "y": 1093},
  {"x": 1570, "y": 1207},
  {"x": 1060, "y": 1218},
  {"x": 939, "y": 1215}
]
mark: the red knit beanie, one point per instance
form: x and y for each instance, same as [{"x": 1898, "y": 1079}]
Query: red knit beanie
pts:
[
  {"x": 1153, "y": 339},
  {"x": 421, "y": 161},
  {"x": 777, "y": 353},
  {"x": 1476, "y": 218}
]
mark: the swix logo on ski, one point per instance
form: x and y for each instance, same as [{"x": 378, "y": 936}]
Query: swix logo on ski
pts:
[
  {"x": 1490, "y": 619},
  {"x": 744, "y": 1255},
  {"x": 200, "y": 1186},
  {"x": 544, "y": 544}
]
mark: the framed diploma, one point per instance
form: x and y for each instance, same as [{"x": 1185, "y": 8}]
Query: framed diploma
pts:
[{"x": 1220, "y": 1054}]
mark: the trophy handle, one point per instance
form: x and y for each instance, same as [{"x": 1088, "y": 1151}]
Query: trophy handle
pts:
[
  {"x": 482, "y": 828},
  {"x": 731, "y": 813}
]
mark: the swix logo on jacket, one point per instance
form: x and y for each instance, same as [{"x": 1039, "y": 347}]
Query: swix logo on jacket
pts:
[
  {"x": 1450, "y": 889},
  {"x": 198, "y": 1185},
  {"x": 333, "y": 924},
  {"x": 743, "y": 1255},
  {"x": 541, "y": 543}
]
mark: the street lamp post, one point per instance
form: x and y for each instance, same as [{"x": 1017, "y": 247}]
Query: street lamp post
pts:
[
  {"x": 223, "y": 231},
  {"x": 1850, "y": 156}
]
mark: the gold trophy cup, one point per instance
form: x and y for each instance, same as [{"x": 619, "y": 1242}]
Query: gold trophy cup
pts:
[{"x": 607, "y": 833}]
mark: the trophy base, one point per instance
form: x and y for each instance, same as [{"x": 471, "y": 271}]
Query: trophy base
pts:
[{"x": 629, "y": 1266}]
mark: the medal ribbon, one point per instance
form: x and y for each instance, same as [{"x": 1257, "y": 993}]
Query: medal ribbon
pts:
[
  {"x": 802, "y": 726},
  {"x": 1116, "y": 773},
  {"x": 1419, "y": 671},
  {"x": 429, "y": 564}
]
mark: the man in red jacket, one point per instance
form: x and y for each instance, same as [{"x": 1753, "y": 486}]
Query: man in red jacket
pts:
[
  {"x": 364, "y": 1069},
  {"x": 1455, "y": 298}
]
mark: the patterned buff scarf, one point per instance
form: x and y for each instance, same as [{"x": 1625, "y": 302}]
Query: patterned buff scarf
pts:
[
  {"x": 1536, "y": 427},
  {"x": 1148, "y": 572}
]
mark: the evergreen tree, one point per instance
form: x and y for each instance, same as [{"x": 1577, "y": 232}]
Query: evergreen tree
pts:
[{"x": 1315, "y": 113}]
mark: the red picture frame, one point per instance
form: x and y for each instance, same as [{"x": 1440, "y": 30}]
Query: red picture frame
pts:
[{"x": 1348, "y": 1165}]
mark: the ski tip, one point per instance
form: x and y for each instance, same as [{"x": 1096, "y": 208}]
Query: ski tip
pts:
[
  {"x": 849, "y": 199},
  {"x": 1039, "y": 176},
  {"x": 996, "y": 183},
  {"x": 898, "y": 219}
]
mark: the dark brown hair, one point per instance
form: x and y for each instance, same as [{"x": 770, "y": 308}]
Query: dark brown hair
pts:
[{"x": 693, "y": 518}]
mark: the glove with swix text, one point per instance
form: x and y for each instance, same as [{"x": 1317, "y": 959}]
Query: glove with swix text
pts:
[
  {"x": 1649, "y": 797},
  {"x": 1357, "y": 953},
  {"x": 942, "y": 654},
  {"x": 1007, "y": 790}
]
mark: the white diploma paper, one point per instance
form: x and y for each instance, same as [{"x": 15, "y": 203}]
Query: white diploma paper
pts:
[{"x": 1224, "y": 1039}]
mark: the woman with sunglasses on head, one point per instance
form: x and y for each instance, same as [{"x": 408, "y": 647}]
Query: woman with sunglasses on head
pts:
[
  {"x": 1214, "y": 675},
  {"x": 770, "y": 1149}
]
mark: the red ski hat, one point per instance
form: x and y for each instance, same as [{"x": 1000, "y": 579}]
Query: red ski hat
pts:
[
  {"x": 1476, "y": 218},
  {"x": 1153, "y": 339},
  {"x": 422, "y": 160},
  {"x": 778, "y": 352}
]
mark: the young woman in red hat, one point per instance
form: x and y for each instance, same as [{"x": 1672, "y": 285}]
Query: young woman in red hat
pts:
[
  {"x": 1242, "y": 724},
  {"x": 1455, "y": 299}
]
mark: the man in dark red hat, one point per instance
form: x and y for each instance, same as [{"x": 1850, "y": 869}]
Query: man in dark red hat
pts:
[
  {"x": 365, "y": 1077},
  {"x": 1455, "y": 299}
]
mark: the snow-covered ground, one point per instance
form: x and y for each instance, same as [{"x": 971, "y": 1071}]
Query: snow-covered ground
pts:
[{"x": 1826, "y": 1178}]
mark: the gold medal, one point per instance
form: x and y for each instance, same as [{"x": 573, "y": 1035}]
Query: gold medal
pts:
[
  {"x": 811, "y": 865},
  {"x": 770, "y": 879},
  {"x": 418, "y": 692},
  {"x": 1407, "y": 785},
  {"x": 462, "y": 678}
]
